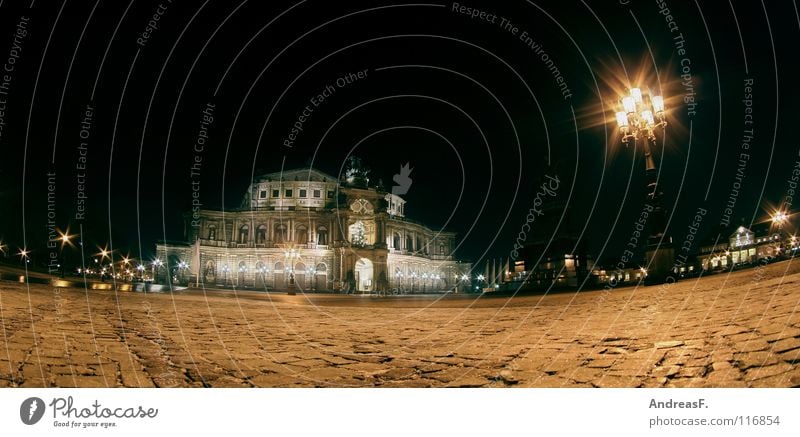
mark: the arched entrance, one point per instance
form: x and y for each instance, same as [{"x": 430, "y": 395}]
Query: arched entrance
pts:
[
  {"x": 363, "y": 273},
  {"x": 300, "y": 275}
]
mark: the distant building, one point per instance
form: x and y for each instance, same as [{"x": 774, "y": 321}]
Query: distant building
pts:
[
  {"x": 304, "y": 229},
  {"x": 745, "y": 246}
]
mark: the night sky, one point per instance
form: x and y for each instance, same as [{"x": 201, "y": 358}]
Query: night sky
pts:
[{"x": 467, "y": 101}]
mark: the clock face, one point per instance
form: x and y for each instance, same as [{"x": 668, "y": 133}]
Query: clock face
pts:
[{"x": 361, "y": 206}]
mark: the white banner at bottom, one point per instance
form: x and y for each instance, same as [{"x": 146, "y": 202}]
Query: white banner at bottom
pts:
[{"x": 399, "y": 412}]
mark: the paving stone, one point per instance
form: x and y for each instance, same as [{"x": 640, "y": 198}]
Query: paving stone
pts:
[
  {"x": 633, "y": 337},
  {"x": 668, "y": 344},
  {"x": 763, "y": 372},
  {"x": 785, "y": 345}
]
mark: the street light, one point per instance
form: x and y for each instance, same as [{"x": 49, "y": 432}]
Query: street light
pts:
[
  {"x": 778, "y": 219},
  {"x": 156, "y": 265},
  {"x": 225, "y": 270},
  {"x": 65, "y": 238},
  {"x": 23, "y": 255},
  {"x": 311, "y": 271},
  {"x": 639, "y": 114}
]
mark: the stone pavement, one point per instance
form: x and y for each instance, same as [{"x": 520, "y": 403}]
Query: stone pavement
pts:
[{"x": 726, "y": 330}]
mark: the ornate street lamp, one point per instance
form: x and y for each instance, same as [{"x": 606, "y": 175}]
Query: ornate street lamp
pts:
[
  {"x": 639, "y": 115},
  {"x": 778, "y": 219}
]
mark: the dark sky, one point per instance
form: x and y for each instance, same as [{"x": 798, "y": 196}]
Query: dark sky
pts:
[{"x": 471, "y": 107}]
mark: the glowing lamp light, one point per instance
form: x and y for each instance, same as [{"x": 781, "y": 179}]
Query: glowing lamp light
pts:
[
  {"x": 622, "y": 119},
  {"x": 636, "y": 93},
  {"x": 647, "y": 116},
  {"x": 629, "y": 105},
  {"x": 658, "y": 103}
]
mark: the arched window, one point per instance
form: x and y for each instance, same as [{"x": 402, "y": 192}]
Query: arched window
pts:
[
  {"x": 301, "y": 235},
  {"x": 278, "y": 266},
  {"x": 261, "y": 234},
  {"x": 280, "y": 233},
  {"x": 244, "y": 233},
  {"x": 409, "y": 243},
  {"x": 322, "y": 268},
  {"x": 322, "y": 235},
  {"x": 212, "y": 232},
  {"x": 396, "y": 241}
]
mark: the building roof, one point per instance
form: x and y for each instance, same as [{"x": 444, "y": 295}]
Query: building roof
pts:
[{"x": 298, "y": 174}]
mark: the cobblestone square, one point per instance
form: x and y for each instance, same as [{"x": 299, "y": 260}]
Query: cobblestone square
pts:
[{"x": 727, "y": 330}]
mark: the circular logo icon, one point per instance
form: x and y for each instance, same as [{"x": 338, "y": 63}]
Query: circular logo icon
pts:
[{"x": 31, "y": 411}]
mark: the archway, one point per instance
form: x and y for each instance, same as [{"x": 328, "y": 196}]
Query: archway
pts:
[
  {"x": 279, "y": 275},
  {"x": 364, "y": 271},
  {"x": 300, "y": 275}
]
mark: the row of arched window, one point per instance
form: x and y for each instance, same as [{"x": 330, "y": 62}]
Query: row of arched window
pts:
[
  {"x": 261, "y": 267},
  {"x": 280, "y": 234}
]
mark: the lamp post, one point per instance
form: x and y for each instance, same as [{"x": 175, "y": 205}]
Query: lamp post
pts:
[
  {"x": 778, "y": 219},
  {"x": 225, "y": 271},
  {"x": 182, "y": 267},
  {"x": 291, "y": 256},
  {"x": 398, "y": 280},
  {"x": 638, "y": 117},
  {"x": 311, "y": 271},
  {"x": 156, "y": 265}
]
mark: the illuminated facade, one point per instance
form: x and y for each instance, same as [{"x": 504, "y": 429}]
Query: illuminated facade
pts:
[
  {"x": 305, "y": 230},
  {"x": 744, "y": 246}
]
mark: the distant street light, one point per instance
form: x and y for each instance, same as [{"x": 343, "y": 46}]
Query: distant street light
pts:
[
  {"x": 778, "y": 219},
  {"x": 23, "y": 255},
  {"x": 156, "y": 265},
  {"x": 65, "y": 238}
]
